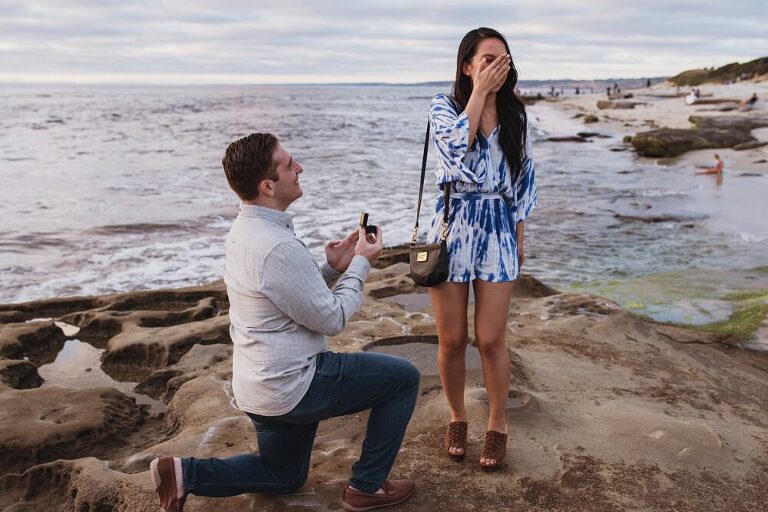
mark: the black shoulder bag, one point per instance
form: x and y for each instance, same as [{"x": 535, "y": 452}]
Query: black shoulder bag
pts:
[{"x": 429, "y": 262}]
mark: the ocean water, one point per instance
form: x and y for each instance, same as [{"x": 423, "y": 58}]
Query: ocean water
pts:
[{"x": 117, "y": 188}]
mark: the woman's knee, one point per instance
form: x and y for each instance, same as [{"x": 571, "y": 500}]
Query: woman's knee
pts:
[
  {"x": 454, "y": 345},
  {"x": 491, "y": 348}
]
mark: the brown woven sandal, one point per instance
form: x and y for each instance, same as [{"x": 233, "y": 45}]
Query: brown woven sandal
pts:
[
  {"x": 495, "y": 447},
  {"x": 456, "y": 437}
]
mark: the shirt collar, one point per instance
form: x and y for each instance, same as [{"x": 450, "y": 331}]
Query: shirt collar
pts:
[{"x": 261, "y": 212}]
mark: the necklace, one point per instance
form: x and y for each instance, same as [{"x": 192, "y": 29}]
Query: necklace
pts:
[{"x": 489, "y": 115}]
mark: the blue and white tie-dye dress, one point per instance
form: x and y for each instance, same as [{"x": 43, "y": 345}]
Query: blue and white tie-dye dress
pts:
[{"x": 485, "y": 204}]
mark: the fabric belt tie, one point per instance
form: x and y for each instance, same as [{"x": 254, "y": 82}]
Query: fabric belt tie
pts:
[{"x": 475, "y": 196}]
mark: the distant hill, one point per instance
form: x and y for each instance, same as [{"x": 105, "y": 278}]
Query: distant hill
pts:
[{"x": 728, "y": 73}]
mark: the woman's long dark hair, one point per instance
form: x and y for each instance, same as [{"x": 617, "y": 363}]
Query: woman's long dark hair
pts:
[{"x": 511, "y": 111}]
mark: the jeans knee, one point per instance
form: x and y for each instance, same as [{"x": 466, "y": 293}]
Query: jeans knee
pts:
[
  {"x": 293, "y": 482},
  {"x": 411, "y": 375}
]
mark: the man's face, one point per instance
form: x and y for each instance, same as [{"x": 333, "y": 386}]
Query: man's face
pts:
[{"x": 286, "y": 189}]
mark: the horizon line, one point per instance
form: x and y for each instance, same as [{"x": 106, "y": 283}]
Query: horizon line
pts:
[{"x": 368, "y": 83}]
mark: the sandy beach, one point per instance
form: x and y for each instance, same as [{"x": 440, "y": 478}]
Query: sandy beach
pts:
[
  {"x": 608, "y": 411},
  {"x": 663, "y": 106}
]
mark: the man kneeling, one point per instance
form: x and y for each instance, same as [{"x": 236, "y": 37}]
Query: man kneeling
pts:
[{"x": 283, "y": 376}]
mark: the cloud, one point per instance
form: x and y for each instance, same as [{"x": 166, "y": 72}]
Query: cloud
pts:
[{"x": 397, "y": 41}]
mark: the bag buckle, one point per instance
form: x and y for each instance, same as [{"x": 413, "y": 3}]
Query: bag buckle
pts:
[{"x": 422, "y": 256}]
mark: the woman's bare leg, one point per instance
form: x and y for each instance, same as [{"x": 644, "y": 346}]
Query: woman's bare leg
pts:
[
  {"x": 449, "y": 302},
  {"x": 491, "y": 310}
]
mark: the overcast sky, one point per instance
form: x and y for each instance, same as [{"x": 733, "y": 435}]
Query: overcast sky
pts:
[{"x": 299, "y": 41}]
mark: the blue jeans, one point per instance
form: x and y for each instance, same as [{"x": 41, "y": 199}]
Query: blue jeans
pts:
[{"x": 344, "y": 383}]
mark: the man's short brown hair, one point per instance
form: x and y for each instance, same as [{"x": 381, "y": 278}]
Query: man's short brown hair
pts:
[{"x": 248, "y": 161}]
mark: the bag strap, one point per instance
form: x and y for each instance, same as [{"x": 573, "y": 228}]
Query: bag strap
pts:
[{"x": 446, "y": 195}]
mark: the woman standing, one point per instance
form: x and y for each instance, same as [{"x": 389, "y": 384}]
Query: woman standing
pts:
[{"x": 483, "y": 145}]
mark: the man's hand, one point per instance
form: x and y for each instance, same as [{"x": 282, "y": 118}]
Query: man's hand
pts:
[
  {"x": 339, "y": 253},
  {"x": 368, "y": 246}
]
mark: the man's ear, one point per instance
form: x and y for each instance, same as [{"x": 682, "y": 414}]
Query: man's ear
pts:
[{"x": 266, "y": 188}]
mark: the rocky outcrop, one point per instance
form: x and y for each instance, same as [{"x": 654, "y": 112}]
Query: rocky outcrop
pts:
[
  {"x": 622, "y": 412},
  {"x": 45, "y": 424},
  {"x": 607, "y": 104},
  {"x": 709, "y": 132},
  {"x": 19, "y": 374},
  {"x": 572, "y": 138},
  {"x": 750, "y": 145}
]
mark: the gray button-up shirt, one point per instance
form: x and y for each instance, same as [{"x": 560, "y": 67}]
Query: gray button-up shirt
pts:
[{"x": 281, "y": 309}]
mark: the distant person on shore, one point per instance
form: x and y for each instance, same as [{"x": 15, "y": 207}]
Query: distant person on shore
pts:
[
  {"x": 481, "y": 134},
  {"x": 748, "y": 103},
  {"x": 282, "y": 307},
  {"x": 648, "y": 83},
  {"x": 716, "y": 169}
]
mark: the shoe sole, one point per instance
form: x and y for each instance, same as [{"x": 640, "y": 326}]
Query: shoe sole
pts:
[
  {"x": 154, "y": 473},
  {"x": 491, "y": 467},
  {"x": 349, "y": 507}
]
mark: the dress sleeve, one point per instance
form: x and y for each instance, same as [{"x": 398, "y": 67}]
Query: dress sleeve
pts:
[
  {"x": 450, "y": 133},
  {"x": 525, "y": 197}
]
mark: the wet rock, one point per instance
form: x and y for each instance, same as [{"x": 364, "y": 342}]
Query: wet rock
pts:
[
  {"x": 715, "y": 101},
  {"x": 670, "y": 142},
  {"x": 750, "y": 145},
  {"x": 50, "y": 423},
  {"x": 593, "y": 134},
  {"x": 163, "y": 384},
  {"x": 653, "y": 218},
  {"x": 591, "y": 118},
  {"x": 744, "y": 122},
  {"x": 394, "y": 280},
  {"x": 606, "y": 104},
  {"x": 19, "y": 374},
  {"x": 97, "y": 327},
  {"x": 392, "y": 255},
  {"x": 137, "y": 348},
  {"x": 37, "y": 341},
  {"x": 567, "y": 139},
  {"x": 529, "y": 287},
  {"x": 530, "y": 99}
]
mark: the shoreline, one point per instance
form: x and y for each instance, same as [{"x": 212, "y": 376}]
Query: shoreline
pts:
[{"x": 704, "y": 308}]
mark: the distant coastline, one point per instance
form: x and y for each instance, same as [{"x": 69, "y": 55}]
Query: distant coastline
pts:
[{"x": 566, "y": 83}]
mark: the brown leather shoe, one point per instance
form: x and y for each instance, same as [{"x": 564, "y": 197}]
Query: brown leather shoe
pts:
[
  {"x": 395, "y": 491},
  {"x": 163, "y": 472}
]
